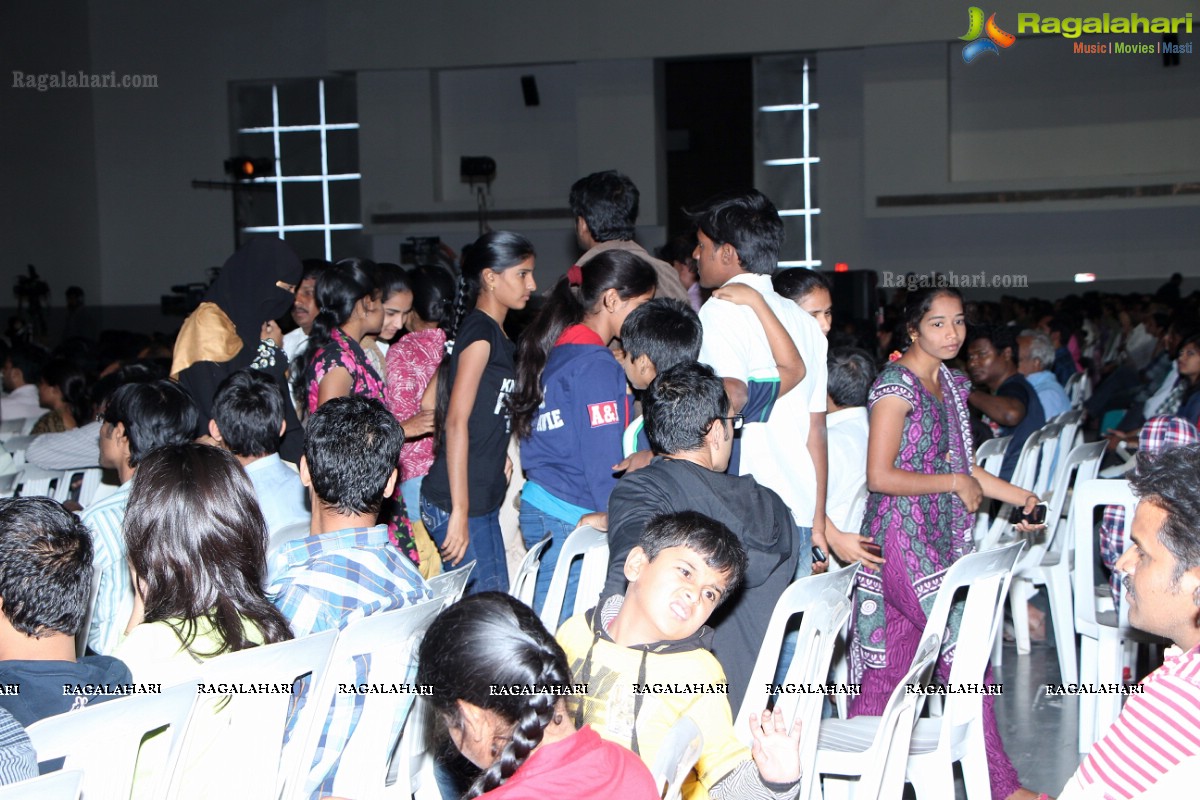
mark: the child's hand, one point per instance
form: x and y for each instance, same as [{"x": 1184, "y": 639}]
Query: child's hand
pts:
[
  {"x": 739, "y": 294},
  {"x": 776, "y": 750}
]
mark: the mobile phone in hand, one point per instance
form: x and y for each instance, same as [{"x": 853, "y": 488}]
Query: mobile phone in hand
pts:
[
  {"x": 873, "y": 549},
  {"x": 1035, "y": 517}
]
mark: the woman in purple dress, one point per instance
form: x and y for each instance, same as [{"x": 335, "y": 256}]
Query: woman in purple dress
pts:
[{"x": 924, "y": 492}]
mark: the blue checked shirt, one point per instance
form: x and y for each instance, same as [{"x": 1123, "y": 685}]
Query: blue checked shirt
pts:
[
  {"x": 325, "y": 581},
  {"x": 114, "y": 600}
]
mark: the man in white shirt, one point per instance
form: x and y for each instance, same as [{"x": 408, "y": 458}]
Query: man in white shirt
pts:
[
  {"x": 851, "y": 374},
  {"x": 739, "y": 237},
  {"x": 304, "y": 310},
  {"x": 22, "y": 370}
]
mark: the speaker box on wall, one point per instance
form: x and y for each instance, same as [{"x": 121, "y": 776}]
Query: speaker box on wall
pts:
[{"x": 530, "y": 90}]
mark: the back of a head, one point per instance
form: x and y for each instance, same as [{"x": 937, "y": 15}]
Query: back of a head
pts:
[
  {"x": 197, "y": 539},
  {"x": 665, "y": 330},
  {"x": 351, "y": 446},
  {"x": 45, "y": 566},
  {"x": 712, "y": 540},
  {"x": 680, "y": 405},
  {"x": 154, "y": 414},
  {"x": 30, "y": 360},
  {"x": 1041, "y": 349},
  {"x": 796, "y": 283},
  {"x": 851, "y": 374},
  {"x": 248, "y": 409},
  {"x": 137, "y": 372},
  {"x": 608, "y": 203},
  {"x": 433, "y": 293},
  {"x": 749, "y": 222},
  {"x": 70, "y": 380},
  {"x": 492, "y": 639},
  {"x": 1169, "y": 480}
]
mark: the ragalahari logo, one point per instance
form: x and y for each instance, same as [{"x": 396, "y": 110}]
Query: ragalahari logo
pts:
[{"x": 993, "y": 37}]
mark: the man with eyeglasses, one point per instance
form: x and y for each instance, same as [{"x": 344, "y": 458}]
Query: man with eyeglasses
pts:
[
  {"x": 1011, "y": 403},
  {"x": 691, "y": 431}
]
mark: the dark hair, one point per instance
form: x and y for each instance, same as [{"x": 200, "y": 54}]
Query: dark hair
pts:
[
  {"x": 1169, "y": 481},
  {"x": 1062, "y": 326},
  {"x": 69, "y": 379},
  {"x": 798, "y": 282},
  {"x": 138, "y": 372},
  {"x": 154, "y": 414},
  {"x": 749, "y": 222},
  {"x": 45, "y": 566},
  {"x": 197, "y": 541},
  {"x": 433, "y": 293},
  {"x": 1002, "y": 337},
  {"x": 352, "y": 446},
  {"x": 680, "y": 406},
  {"x": 391, "y": 278},
  {"x": 917, "y": 304},
  {"x": 497, "y": 251},
  {"x": 665, "y": 330},
  {"x": 851, "y": 374},
  {"x": 680, "y": 249},
  {"x": 28, "y": 358},
  {"x": 719, "y": 546},
  {"x": 608, "y": 203},
  {"x": 629, "y": 274},
  {"x": 313, "y": 267},
  {"x": 248, "y": 409},
  {"x": 339, "y": 288},
  {"x": 492, "y": 639}
]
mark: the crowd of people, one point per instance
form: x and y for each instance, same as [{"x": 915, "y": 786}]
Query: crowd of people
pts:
[{"x": 711, "y": 413}]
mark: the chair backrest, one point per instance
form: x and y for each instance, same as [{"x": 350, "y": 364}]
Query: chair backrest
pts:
[
  {"x": 884, "y": 774},
  {"x": 1048, "y": 447},
  {"x": 1070, "y": 421},
  {"x": 1088, "y": 495},
  {"x": 990, "y": 454},
  {"x": 986, "y": 576},
  {"x": 390, "y": 638},
  {"x": 679, "y": 753},
  {"x": 592, "y": 546},
  {"x": 79, "y": 485},
  {"x": 11, "y": 426},
  {"x": 61, "y": 785},
  {"x": 525, "y": 581},
  {"x": 286, "y": 534},
  {"x": 253, "y": 740},
  {"x": 1078, "y": 389},
  {"x": 81, "y": 638},
  {"x": 103, "y": 739},
  {"x": 448, "y": 587},
  {"x": 38, "y": 482},
  {"x": 412, "y": 763},
  {"x": 629, "y": 440},
  {"x": 1081, "y": 464},
  {"x": 797, "y": 598},
  {"x": 16, "y": 447}
]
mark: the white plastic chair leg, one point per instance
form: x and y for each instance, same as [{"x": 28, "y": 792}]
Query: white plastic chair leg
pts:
[
  {"x": 1062, "y": 615},
  {"x": 933, "y": 781},
  {"x": 1018, "y": 603}
]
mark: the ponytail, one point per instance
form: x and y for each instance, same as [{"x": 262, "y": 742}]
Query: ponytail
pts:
[
  {"x": 567, "y": 305},
  {"x": 493, "y": 639}
]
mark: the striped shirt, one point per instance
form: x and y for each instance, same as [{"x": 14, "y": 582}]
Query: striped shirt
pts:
[
  {"x": 17, "y": 759},
  {"x": 114, "y": 600},
  {"x": 1157, "y": 730},
  {"x": 326, "y": 581}
]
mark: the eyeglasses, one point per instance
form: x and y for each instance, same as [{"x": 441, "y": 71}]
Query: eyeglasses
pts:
[{"x": 736, "y": 421}]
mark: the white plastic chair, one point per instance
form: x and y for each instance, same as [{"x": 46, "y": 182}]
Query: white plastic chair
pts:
[
  {"x": 1039, "y": 448},
  {"x": 81, "y": 638},
  {"x": 60, "y": 785},
  {"x": 592, "y": 546},
  {"x": 412, "y": 763},
  {"x": 1048, "y": 564},
  {"x": 882, "y": 763},
  {"x": 16, "y": 447},
  {"x": 1070, "y": 421},
  {"x": 679, "y": 753},
  {"x": 957, "y": 735},
  {"x": 16, "y": 426},
  {"x": 103, "y": 739},
  {"x": 88, "y": 483},
  {"x": 1103, "y": 631},
  {"x": 1078, "y": 389},
  {"x": 37, "y": 482},
  {"x": 629, "y": 439},
  {"x": 525, "y": 581},
  {"x": 390, "y": 638},
  {"x": 448, "y": 586},
  {"x": 989, "y": 456},
  {"x": 252, "y": 740}
]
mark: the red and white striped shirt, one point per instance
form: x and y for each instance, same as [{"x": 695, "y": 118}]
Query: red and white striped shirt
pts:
[{"x": 1156, "y": 730}]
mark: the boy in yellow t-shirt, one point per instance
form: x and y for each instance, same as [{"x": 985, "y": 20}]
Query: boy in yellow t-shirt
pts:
[{"x": 644, "y": 657}]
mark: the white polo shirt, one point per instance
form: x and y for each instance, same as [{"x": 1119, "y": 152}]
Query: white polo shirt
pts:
[{"x": 775, "y": 452}]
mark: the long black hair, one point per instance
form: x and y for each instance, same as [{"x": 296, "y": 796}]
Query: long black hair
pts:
[
  {"x": 492, "y": 639},
  {"x": 71, "y": 381},
  {"x": 338, "y": 290},
  {"x": 497, "y": 251},
  {"x": 197, "y": 540},
  {"x": 434, "y": 292},
  {"x": 567, "y": 305}
]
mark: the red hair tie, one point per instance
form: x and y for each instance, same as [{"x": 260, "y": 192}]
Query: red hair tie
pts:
[{"x": 575, "y": 275}]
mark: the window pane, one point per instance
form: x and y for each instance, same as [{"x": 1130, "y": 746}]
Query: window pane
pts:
[
  {"x": 344, "y": 202},
  {"x": 348, "y": 244},
  {"x": 300, "y": 153},
  {"x": 341, "y": 100},
  {"x": 342, "y": 147},
  {"x": 252, "y": 106},
  {"x": 303, "y": 204},
  {"x": 299, "y": 103},
  {"x": 257, "y": 145},
  {"x": 257, "y": 205},
  {"x": 307, "y": 244}
]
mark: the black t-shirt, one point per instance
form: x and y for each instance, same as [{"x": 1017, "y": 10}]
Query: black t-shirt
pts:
[
  {"x": 489, "y": 424},
  {"x": 1018, "y": 388},
  {"x": 41, "y": 691}
]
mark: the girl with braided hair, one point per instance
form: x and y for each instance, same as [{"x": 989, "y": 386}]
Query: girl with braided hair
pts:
[{"x": 500, "y": 683}]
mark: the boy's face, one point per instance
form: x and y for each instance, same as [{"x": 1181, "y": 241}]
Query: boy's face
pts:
[
  {"x": 640, "y": 372},
  {"x": 671, "y": 596}
]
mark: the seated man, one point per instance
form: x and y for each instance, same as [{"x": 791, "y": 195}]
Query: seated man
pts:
[
  {"x": 1012, "y": 404},
  {"x": 691, "y": 432},
  {"x": 138, "y": 418},
  {"x": 22, "y": 371},
  {"x": 1157, "y": 728},
  {"x": 1035, "y": 360},
  {"x": 45, "y": 588},
  {"x": 851, "y": 374},
  {"x": 682, "y": 568},
  {"x": 347, "y": 568},
  {"x": 248, "y": 422}
]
